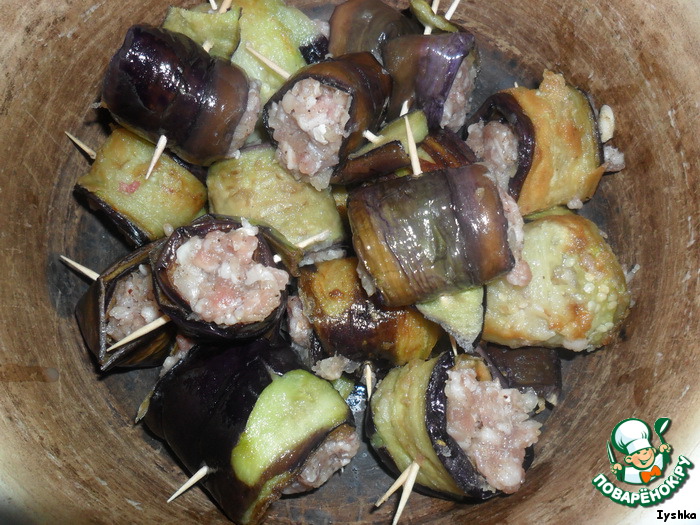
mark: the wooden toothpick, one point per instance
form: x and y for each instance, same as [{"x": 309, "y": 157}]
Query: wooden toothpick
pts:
[
  {"x": 153, "y": 325},
  {"x": 196, "y": 478},
  {"x": 374, "y": 139},
  {"x": 160, "y": 148},
  {"x": 213, "y": 5},
  {"x": 207, "y": 45},
  {"x": 413, "y": 469},
  {"x": 314, "y": 238},
  {"x": 412, "y": 150},
  {"x": 434, "y": 7},
  {"x": 453, "y": 342},
  {"x": 451, "y": 10},
  {"x": 87, "y": 272},
  {"x": 269, "y": 63},
  {"x": 368, "y": 380},
  {"x": 87, "y": 149},
  {"x": 225, "y": 6}
]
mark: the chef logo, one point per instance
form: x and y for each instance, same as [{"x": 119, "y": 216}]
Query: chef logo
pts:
[{"x": 641, "y": 463}]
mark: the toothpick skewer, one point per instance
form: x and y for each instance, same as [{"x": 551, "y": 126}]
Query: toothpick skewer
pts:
[
  {"x": 454, "y": 344},
  {"x": 451, "y": 10},
  {"x": 163, "y": 319},
  {"x": 213, "y": 5},
  {"x": 374, "y": 139},
  {"x": 225, "y": 6},
  {"x": 87, "y": 272},
  {"x": 412, "y": 150},
  {"x": 269, "y": 63},
  {"x": 196, "y": 478},
  {"x": 368, "y": 380},
  {"x": 397, "y": 484},
  {"x": 160, "y": 148},
  {"x": 407, "y": 489},
  {"x": 314, "y": 238},
  {"x": 434, "y": 7},
  {"x": 87, "y": 149},
  {"x": 207, "y": 45}
]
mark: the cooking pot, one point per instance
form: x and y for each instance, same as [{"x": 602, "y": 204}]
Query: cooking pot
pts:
[{"x": 69, "y": 451}]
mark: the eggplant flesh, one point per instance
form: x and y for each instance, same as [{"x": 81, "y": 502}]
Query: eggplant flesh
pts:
[
  {"x": 350, "y": 323},
  {"x": 414, "y": 254},
  {"x": 364, "y": 25},
  {"x": 163, "y": 83},
  {"x": 252, "y": 415},
  {"x": 92, "y": 314},
  {"x": 180, "y": 311}
]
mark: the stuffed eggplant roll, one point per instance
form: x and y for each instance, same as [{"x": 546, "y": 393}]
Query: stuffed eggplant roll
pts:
[
  {"x": 435, "y": 73},
  {"x": 468, "y": 434},
  {"x": 218, "y": 279},
  {"x": 262, "y": 425},
  {"x": 418, "y": 237},
  {"x": 120, "y": 301},
  {"x": 164, "y": 83},
  {"x": 577, "y": 297},
  {"x": 542, "y": 144},
  {"x": 319, "y": 115},
  {"x": 349, "y": 323}
]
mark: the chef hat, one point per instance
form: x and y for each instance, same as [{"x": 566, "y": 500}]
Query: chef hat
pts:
[{"x": 631, "y": 435}]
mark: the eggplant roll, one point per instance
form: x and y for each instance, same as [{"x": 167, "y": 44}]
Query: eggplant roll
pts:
[
  {"x": 364, "y": 25},
  {"x": 418, "y": 237},
  {"x": 319, "y": 115},
  {"x": 350, "y": 323},
  {"x": 577, "y": 297},
  {"x": 218, "y": 279},
  {"x": 435, "y": 73},
  {"x": 120, "y": 301},
  {"x": 140, "y": 208},
  {"x": 542, "y": 144},
  {"x": 164, "y": 83},
  {"x": 263, "y": 425},
  {"x": 469, "y": 435}
]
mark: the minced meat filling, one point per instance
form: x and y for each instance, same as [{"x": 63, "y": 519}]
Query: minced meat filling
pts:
[
  {"x": 309, "y": 127},
  {"x": 492, "y": 425},
  {"x": 496, "y": 146},
  {"x": 133, "y": 304},
  {"x": 222, "y": 283},
  {"x": 457, "y": 103}
]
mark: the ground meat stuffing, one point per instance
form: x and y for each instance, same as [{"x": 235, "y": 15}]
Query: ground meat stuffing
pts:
[
  {"x": 496, "y": 146},
  {"x": 246, "y": 125},
  {"x": 133, "y": 304},
  {"x": 457, "y": 103},
  {"x": 333, "y": 454},
  {"x": 521, "y": 274},
  {"x": 309, "y": 127},
  {"x": 299, "y": 326},
  {"x": 492, "y": 425},
  {"x": 333, "y": 367},
  {"x": 222, "y": 283}
]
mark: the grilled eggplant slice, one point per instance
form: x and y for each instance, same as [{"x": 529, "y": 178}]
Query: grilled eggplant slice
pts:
[
  {"x": 461, "y": 314},
  {"x": 559, "y": 158},
  {"x": 364, "y": 25},
  {"x": 163, "y": 83},
  {"x": 201, "y": 24},
  {"x": 257, "y": 419},
  {"x": 255, "y": 186},
  {"x": 128, "y": 286},
  {"x": 140, "y": 208},
  {"x": 577, "y": 297},
  {"x": 318, "y": 117},
  {"x": 434, "y": 73},
  {"x": 467, "y": 433},
  {"x": 413, "y": 254},
  {"x": 351, "y": 324},
  {"x": 217, "y": 279}
]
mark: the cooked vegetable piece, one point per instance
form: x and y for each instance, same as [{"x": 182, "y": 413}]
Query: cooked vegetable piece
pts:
[
  {"x": 424, "y": 13},
  {"x": 318, "y": 117},
  {"x": 364, "y": 25},
  {"x": 278, "y": 32},
  {"x": 140, "y": 208},
  {"x": 351, "y": 324},
  {"x": 162, "y": 83},
  {"x": 413, "y": 254},
  {"x": 262, "y": 424},
  {"x": 255, "y": 186},
  {"x": 461, "y": 314},
  {"x": 118, "y": 302},
  {"x": 578, "y": 294},
  {"x": 221, "y": 30},
  {"x": 542, "y": 144},
  {"x": 434, "y": 73},
  {"x": 217, "y": 279},
  {"x": 468, "y": 434}
]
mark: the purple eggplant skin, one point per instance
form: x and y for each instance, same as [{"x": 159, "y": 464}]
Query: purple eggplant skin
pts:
[
  {"x": 424, "y": 68},
  {"x": 148, "y": 350},
  {"x": 364, "y": 25},
  {"x": 359, "y": 75},
  {"x": 421, "y": 236},
  {"x": 175, "y": 306},
  {"x": 163, "y": 83},
  {"x": 503, "y": 107},
  {"x": 316, "y": 50},
  {"x": 534, "y": 367},
  {"x": 447, "y": 150}
]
